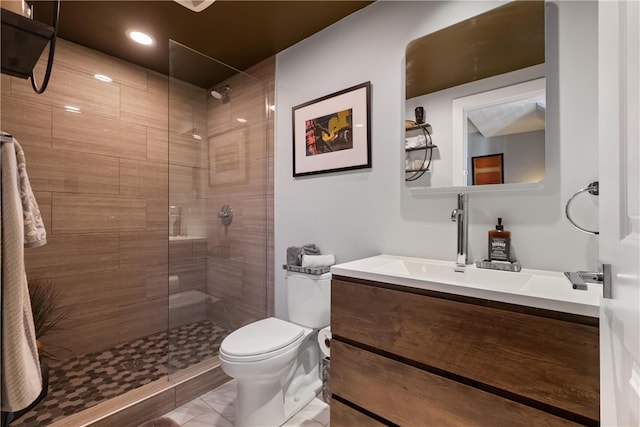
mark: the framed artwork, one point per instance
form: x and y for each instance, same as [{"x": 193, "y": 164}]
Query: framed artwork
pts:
[
  {"x": 332, "y": 133},
  {"x": 488, "y": 169}
]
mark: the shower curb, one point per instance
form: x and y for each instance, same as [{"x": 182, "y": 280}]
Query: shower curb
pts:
[{"x": 151, "y": 400}]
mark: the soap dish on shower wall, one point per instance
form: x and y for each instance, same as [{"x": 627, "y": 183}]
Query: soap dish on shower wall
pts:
[{"x": 499, "y": 265}]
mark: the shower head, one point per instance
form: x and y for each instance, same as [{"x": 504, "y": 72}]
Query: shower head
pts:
[
  {"x": 222, "y": 93},
  {"x": 216, "y": 94}
]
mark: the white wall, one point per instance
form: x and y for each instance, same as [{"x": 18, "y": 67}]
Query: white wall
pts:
[{"x": 367, "y": 212}]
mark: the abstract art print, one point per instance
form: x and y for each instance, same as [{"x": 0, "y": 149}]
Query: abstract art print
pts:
[{"x": 332, "y": 133}]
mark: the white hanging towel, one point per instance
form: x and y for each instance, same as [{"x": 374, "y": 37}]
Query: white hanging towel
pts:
[{"x": 20, "y": 226}]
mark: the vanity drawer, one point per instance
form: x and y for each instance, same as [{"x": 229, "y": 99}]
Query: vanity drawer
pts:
[
  {"x": 550, "y": 361},
  {"x": 409, "y": 396},
  {"x": 343, "y": 415}
]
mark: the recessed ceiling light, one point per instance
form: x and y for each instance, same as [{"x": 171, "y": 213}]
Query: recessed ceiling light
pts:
[
  {"x": 103, "y": 78},
  {"x": 72, "y": 109},
  {"x": 140, "y": 37},
  {"x": 241, "y": 120}
]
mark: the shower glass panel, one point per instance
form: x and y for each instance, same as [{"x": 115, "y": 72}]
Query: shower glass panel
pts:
[
  {"x": 218, "y": 166},
  {"x": 99, "y": 174}
]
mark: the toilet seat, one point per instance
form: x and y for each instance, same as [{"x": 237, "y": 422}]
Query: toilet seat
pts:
[{"x": 261, "y": 340}]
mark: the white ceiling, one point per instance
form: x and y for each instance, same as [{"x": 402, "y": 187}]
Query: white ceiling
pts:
[{"x": 523, "y": 115}]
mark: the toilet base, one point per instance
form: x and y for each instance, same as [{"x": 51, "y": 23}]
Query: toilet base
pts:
[
  {"x": 294, "y": 406},
  {"x": 259, "y": 405},
  {"x": 271, "y": 402},
  {"x": 263, "y": 406}
]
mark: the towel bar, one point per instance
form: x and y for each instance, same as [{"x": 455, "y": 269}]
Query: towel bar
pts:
[{"x": 593, "y": 189}]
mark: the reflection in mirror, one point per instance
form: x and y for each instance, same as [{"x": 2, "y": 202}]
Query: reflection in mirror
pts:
[
  {"x": 509, "y": 122},
  {"x": 483, "y": 55},
  {"x": 504, "y": 39}
]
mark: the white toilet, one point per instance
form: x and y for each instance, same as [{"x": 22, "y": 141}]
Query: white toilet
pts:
[{"x": 277, "y": 362}]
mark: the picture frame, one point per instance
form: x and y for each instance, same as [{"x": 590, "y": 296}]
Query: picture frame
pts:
[
  {"x": 488, "y": 169},
  {"x": 332, "y": 133}
]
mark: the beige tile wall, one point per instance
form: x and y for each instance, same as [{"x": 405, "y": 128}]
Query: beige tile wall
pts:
[
  {"x": 101, "y": 178},
  {"x": 239, "y": 263}
]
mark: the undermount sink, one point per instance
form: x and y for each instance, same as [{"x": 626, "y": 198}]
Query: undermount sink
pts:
[{"x": 535, "y": 288}]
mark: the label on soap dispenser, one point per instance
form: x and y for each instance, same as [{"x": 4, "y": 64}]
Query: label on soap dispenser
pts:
[{"x": 499, "y": 248}]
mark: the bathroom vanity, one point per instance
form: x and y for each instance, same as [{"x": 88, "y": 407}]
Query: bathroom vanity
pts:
[{"x": 416, "y": 344}]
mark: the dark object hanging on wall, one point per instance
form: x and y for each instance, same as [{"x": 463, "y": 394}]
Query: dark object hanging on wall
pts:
[{"x": 23, "y": 41}]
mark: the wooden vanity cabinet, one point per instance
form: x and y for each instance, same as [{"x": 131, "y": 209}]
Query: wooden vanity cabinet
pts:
[{"x": 412, "y": 357}]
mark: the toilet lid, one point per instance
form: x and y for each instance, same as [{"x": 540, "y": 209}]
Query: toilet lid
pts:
[{"x": 260, "y": 337}]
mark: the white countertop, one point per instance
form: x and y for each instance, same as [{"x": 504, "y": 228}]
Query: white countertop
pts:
[{"x": 533, "y": 288}]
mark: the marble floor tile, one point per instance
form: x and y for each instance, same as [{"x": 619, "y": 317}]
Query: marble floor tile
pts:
[
  {"x": 217, "y": 409},
  {"x": 303, "y": 423},
  {"x": 210, "y": 419},
  {"x": 223, "y": 399},
  {"x": 299, "y": 421},
  {"x": 317, "y": 411},
  {"x": 190, "y": 411}
]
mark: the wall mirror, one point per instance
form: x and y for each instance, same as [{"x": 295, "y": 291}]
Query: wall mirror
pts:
[{"x": 481, "y": 83}]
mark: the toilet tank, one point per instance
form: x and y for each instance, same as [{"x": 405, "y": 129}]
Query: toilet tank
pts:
[{"x": 309, "y": 299}]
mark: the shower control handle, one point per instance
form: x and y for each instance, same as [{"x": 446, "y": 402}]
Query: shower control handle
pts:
[{"x": 226, "y": 215}]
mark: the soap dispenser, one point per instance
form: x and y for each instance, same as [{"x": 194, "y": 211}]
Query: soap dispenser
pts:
[{"x": 499, "y": 243}]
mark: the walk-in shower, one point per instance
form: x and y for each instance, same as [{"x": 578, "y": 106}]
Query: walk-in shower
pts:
[{"x": 130, "y": 186}]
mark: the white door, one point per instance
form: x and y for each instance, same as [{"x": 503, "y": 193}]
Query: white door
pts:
[{"x": 619, "y": 164}]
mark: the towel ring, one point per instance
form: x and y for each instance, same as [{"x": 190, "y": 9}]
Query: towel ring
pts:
[{"x": 593, "y": 189}]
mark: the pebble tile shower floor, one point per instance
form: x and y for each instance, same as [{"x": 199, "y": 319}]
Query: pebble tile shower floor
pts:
[{"x": 79, "y": 383}]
